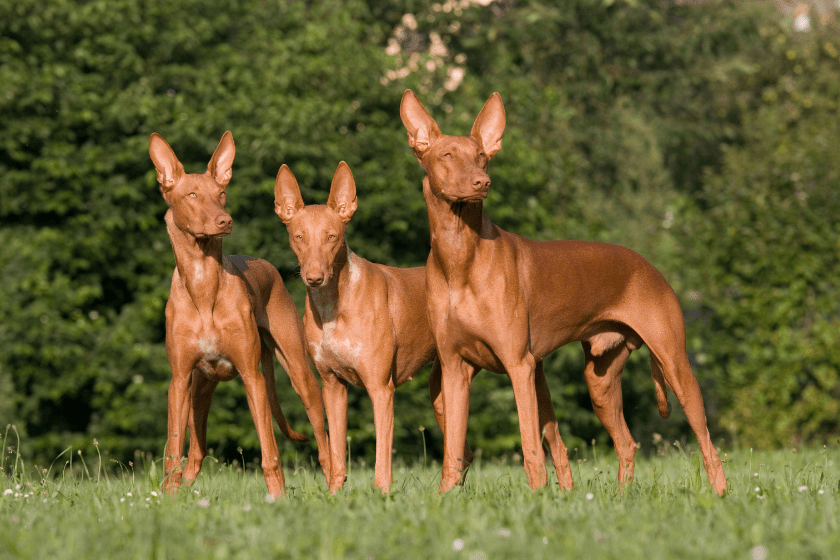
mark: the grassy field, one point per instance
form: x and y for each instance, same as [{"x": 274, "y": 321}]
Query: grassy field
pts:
[{"x": 782, "y": 504}]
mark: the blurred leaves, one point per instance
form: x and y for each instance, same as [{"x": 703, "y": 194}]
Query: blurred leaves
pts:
[{"x": 769, "y": 275}]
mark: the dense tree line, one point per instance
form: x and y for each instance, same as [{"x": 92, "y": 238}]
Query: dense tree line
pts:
[{"x": 701, "y": 136}]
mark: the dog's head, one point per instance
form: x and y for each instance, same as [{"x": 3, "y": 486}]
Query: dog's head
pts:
[
  {"x": 196, "y": 201},
  {"x": 455, "y": 165},
  {"x": 316, "y": 232}
]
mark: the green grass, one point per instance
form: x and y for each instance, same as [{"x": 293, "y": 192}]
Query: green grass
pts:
[{"x": 781, "y": 504}]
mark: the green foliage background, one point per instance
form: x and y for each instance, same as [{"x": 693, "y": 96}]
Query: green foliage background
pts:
[{"x": 701, "y": 136}]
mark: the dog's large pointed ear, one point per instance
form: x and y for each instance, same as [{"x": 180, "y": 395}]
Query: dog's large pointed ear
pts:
[
  {"x": 287, "y": 199},
  {"x": 489, "y": 126},
  {"x": 422, "y": 128},
  {"x": 221, "y": 164},
  {"x": 169, "y": 169},
  {"x": 343, "y": 193}
]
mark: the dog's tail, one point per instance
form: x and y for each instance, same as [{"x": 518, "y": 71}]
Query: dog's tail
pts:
[
  {"x": 661, "y": 389},
  {"x": 284, "y": 425},
  {"x": 633, "y": 342},
  {"x": 267, "y": 360}
]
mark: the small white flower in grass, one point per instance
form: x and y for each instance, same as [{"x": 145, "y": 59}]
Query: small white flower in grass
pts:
[
  {"x": 458, "y": 544},
  {"x": 128, "y": 494},
  {"x": 758, "y": 552},
  {"x": 8, "y": 491},
  {"x": 148, "y": 499},
  {"x": 504, "y": 532},
  {"x": 590, "y": 495},
  {"x": 270, "y": 499},
  {"x": 755, "y": 474},
  {"x": 545, "y": 540},
  {"x": 17, "y": 486},
  {"x": 155, "y": 494},
  {"x": 204, "y": 502},
  {"x": 757, "y": 489},
  {"x": 247, "y": 507},
  {"x": 122, "y": 499},
  {"x": 802, "y": 488}
]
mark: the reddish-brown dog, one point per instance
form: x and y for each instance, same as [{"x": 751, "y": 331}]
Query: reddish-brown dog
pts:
[
  {"x": 502, "y": 302},
  {"x": 365, "y": 323},
  {"x": 225, "y": 314}
]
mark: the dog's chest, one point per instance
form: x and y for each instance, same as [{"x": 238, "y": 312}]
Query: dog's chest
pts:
[
  {"x": 334, "y": 340},
  {"x": 212, "y": 353},
  {"x": 468, "y": 324},
  {"x": 212, "y": 361},
  {"x": 211, "y": 339},
  {"x": 337, "y": 350}
]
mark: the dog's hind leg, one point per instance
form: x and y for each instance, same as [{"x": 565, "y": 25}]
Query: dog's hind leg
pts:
[
  {"x": 677, "y": 374},
  {"x": 603, "y": 377}
]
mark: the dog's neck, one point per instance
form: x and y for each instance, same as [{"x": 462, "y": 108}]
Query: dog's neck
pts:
[
  {"x": 325, "y": 298},
  {"x": 200, "y": 265},
  {"x": 457, "y": 231}
]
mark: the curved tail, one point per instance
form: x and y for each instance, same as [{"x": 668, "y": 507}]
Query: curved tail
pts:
[
  {"x": 661, "y": 388},
  {"x": 267, "y": 360},
  {"x": 635, "y": 341}
]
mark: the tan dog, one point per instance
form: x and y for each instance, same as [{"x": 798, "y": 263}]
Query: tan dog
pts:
[
  {"x": 502, "y": 302},
  {"x": 365, "y": 323},
  {"x": 225, "y": 314}
]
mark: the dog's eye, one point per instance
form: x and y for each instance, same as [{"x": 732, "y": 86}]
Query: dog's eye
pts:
[
  {"x": 193, "y": 195},
  {"x": 331, "y": 236},
  {"x": 447, "y": 154},
  {"x": 298, "y": 237}
]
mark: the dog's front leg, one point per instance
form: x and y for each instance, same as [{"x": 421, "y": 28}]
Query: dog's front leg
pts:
[
  {"x": 550, "y": 432},
  {"x": 436, "y": 396},
  {"x": 522, "y": 377},
  {"x": 456, "y": 379},
  {"x": 177, "y": 418},
  {"x": 382, "y": 398},
  {"x": 335, "y": 402},
  {"x": 202, "y": 395}
]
